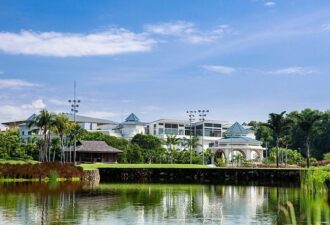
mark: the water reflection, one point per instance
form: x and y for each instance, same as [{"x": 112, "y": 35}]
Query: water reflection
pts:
[{"x": 74, "y": 203}]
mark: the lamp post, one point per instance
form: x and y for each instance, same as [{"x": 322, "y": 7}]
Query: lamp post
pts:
[
  {"x": 202, "y": 115},
  {"x": 191, "y": 115},
  {"x": 74, "y": 108}
]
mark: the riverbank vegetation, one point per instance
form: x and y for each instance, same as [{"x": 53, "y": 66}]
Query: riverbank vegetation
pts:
[{"x": 40, "y": 171}]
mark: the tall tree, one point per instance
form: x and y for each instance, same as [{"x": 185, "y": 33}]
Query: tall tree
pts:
[
  {"x": 43, "y": 122},
  {"x": 307, "y": 121},
  {"x": 172, "y": 142},
  {"x": 62, "y": 128},
  {"x": 279, "y": 125}
]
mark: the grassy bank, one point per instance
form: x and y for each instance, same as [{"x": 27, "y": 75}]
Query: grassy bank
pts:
[
  {"x": 11, "y": 161},
  {"x": 94, "y": 166},
  {"x": 88, "y": 166}
]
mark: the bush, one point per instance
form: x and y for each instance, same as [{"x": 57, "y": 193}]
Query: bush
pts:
[
  {"x": 52, "y": 176},
  {"x": 39, "y": 170},
  {"x": 220, "y": 162},
  {"x": 326, "y": 156},
  {"x": 293, "y": 156}
]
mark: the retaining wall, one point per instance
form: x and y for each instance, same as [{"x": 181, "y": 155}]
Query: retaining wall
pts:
[{"x": 207, "y": 175}]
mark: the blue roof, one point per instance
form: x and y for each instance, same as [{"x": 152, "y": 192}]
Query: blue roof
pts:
[
  {"x": 236, "y": 130},
  {"x": 238, "y": 140},
  {"x": 132, "y": 118}
]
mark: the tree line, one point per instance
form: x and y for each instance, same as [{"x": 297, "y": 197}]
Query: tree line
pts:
[{"x": 306, "y": 132}]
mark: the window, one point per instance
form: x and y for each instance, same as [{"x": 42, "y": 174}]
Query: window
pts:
[
  {"x": 161, "y": 131},
  {"x": 208, "y": 124},
  {"x": 181, "y": 125},
  {"x": 181, "y": 132},
  {"x": 160, "y": 124}
]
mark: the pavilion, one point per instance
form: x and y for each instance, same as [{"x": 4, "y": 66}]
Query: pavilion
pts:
[{"x": 236, "y": 141}]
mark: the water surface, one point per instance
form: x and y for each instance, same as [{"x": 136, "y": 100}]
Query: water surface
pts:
[{"x": 75, "y": 203}]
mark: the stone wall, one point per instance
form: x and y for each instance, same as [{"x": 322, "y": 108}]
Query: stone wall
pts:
[
  {"x": 208, "y": 175},
  {"x": 92, "y": 176}
]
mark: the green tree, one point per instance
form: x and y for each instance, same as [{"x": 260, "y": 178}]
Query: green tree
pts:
[
  {"x": 307, "y": 121},
  {"x": 44, "y": 122},
  {"x": 279, "y": 125},
  {"x": 62, "y": 128},
  {"x": 172, "y": 141}
]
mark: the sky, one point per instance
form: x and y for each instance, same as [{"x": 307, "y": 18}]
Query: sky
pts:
[{"x": 240, "y": 59}]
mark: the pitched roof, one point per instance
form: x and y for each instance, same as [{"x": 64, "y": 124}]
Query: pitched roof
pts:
[
  {"x": 132, "y": 118},
  {"x": 87, "y": 119},
  {"x": 97, "y": 147},
  {"x": 236, "y": 130},
  {"x": 233, "y": 140}
]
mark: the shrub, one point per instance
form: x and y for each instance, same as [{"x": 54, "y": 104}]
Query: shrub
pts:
[
  {"x": 39, "y": 170},
  {"x": 326, "y": 156},
  {"x": 52, "y": 176}
]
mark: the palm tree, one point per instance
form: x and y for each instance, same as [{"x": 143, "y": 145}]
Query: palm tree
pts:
[
  {"x": 75, "y": 132},
  {"x": 306, "y": 121},
  {"x": 172, "y": 141},
  {"x": 44, "y": 121},
  {"x": 192, "y": 144},
  {"x": 62, "y": 128},
  {"x": 279, "y": 125}
]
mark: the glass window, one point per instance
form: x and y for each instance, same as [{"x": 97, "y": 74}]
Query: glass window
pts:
[
  {"x": 161, "y": 124},
  {"x": 208, "y": 124},
  {"x": 181, "y": 132},
  {"x": 217, "y": 125},
  {"x": 161, "y": 131}
]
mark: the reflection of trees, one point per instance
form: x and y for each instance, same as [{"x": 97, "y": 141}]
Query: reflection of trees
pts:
[
  {"x": 155, "y": 203},
  {"x": 309, "y": 208}
]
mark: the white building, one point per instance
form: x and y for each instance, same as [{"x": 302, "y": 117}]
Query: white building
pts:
[
  {"x": 130, "y": 127},
  {"x": 238, "y": 140}
]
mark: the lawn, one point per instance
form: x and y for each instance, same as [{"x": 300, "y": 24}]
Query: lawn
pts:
[
  {"x": 10, "y": 161},
  {"x": 86, "y": 166}
]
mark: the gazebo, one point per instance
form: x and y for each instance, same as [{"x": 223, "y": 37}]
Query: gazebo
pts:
[
  {"x": 96, "y": 151},
  {"x": 237, "y": 142}
]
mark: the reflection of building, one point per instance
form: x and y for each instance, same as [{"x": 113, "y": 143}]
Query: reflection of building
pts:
[{"x": 238, "y": 141}]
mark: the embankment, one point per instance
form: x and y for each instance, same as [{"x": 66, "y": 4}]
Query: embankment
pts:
[{"x": 203, "y": 175}]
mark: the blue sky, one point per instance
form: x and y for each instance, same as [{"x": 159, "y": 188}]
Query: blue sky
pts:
[{"x": 239, "y": 59}]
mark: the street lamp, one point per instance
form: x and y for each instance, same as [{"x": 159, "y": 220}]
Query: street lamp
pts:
[
  {"x": 191, "y": 114},
  {"x": 74, "y": 108},
  {"x": 202, "y": 115}
]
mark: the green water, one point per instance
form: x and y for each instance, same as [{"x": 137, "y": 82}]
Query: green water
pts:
[{"x": 75, "y": 203}]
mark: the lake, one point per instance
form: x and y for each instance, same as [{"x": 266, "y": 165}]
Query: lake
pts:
[{"x": 76, "y": 203}]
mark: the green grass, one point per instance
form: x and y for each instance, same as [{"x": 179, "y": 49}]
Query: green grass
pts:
[
  {"x": 94, "y": 166},
  {"x": 10, "y": 161},
  {"x": 88, "y": 166}
]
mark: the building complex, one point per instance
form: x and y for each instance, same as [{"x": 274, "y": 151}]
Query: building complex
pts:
[{"x": 221, "y": 137}]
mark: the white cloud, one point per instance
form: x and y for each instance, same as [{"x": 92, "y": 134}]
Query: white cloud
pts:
[
  {"x": 270, "y": 4},
  {"x": 16, "y": 83},
  {"x": 18, "y": 112},
  {"x": 187, "y": 31},
  {"x": 36, "y": 104},
  {"x": 292, "y": 70},
  {"x": 219, "y": 69},
  {"x": 112, "y": 42}
]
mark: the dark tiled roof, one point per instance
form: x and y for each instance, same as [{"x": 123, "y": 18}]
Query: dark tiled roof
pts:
[{"x": 96, "y": 146}]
